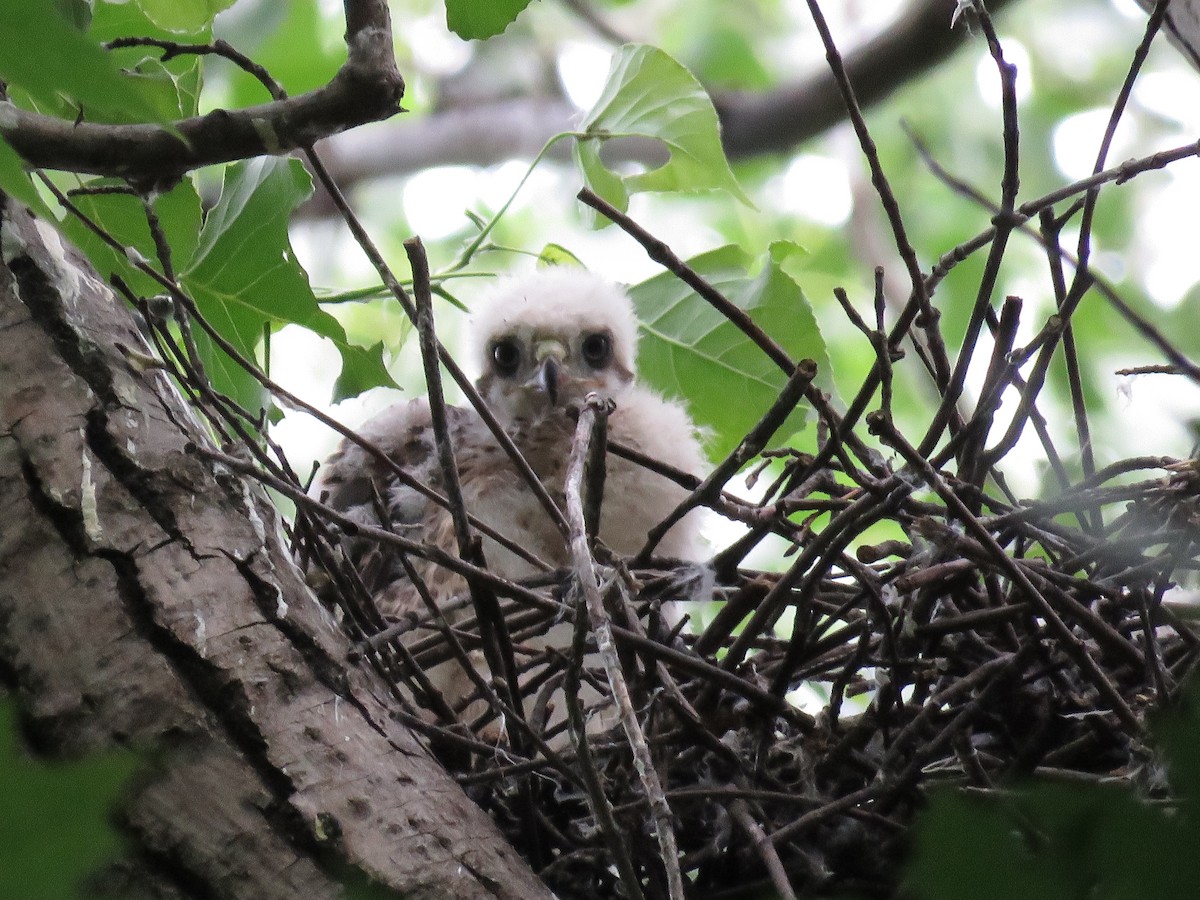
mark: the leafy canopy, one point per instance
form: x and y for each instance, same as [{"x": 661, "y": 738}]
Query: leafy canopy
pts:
[
  {"x": 650, "y": 95},
  {"x": 236, "y": 261},
  {"x": 55, "y": 829},
  {"x": 1042, "y": 841}
]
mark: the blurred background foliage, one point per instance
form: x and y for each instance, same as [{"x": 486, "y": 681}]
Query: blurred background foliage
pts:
[
  {"x": 1071, "y": 57},
  {"x": 56, "y": 825},
  {"x": 814, "y": 199}
]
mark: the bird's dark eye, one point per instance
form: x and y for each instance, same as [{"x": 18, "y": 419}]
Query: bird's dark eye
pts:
[
  {"x": 506, "y": 355},
  {"x": 597, "y": 349}
]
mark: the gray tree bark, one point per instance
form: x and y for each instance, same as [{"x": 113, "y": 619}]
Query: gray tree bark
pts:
[{"x": 147, "y": 600}]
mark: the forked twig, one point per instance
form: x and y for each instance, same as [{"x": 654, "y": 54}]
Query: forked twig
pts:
[{"x": 588, "y": 432}]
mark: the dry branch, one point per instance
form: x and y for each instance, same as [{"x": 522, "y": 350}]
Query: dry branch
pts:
[{"x": 367, "y": 88}]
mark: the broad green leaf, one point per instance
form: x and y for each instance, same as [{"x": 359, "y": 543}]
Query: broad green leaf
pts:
[
  {"x": 989, "y": 871},
  {"x": 77, "y": 12},
  {"x": 176, "y": 98},
  {"x": 601, "y": 179},
  {"x": 243, "y": 274},
  {"x": 49, "y": 58},
  {"x": 481, "y": 19},
  {"x": 296, "y": 42},
  {"x": 688, "y": 349},
  {"x": 55, "y": 829},
  {"x": 362, "y": 369},
  {"x": 174, "y": 91},
  {"x": 244, "y": 257},
  {"x": 112, "y": 20},
  {"x": 648, "y": 94},
  {"x": 15, "y": 181},
  {"x": 1178, "y": 733},
  {"x": 245, "y": 277},
  {"x": 1050, "y": 840},
  {"x": 1046, "y": 841},
  {"x": 183, "y": 16},
  {"x": 123, "y": 217},
  {"x": 557, "y": 255}
]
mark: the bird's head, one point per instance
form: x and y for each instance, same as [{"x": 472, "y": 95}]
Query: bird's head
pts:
[{"x": 544, "y": 340}]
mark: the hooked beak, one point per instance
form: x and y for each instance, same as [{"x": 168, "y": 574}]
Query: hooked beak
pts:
[{"x": 549, "y": 356}]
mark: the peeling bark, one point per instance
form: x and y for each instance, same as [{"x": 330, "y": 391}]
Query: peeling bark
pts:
[{"x": 147, "y": 600}]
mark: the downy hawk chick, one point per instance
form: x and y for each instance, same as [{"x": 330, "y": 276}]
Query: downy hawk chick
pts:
[{"x": 540, "y": 343}]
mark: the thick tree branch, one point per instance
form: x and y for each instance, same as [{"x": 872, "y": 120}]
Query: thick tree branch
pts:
[
  {"x": 780, "y": 119},
  {"x": 367, "y": 88},
  {"x": 752, "y": 124},
  {"x": 1182, "y": 26}
]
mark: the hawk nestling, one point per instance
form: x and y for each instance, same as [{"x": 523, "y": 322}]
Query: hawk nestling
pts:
[{"x": 541, "y": 342}]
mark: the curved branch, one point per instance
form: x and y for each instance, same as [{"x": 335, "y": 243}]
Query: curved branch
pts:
[
  {"x": 367, "y": 88},
  {"x": 487, "y": 133},
  {"x": 780, "y": 119},
  {"x": 1182, "y": 26}
]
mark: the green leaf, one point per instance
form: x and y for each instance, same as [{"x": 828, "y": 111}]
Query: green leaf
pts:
[
  {"x": 688, "y": 349},
  {"x": 1178, "y": 733},
  {"x": 481, "y": 19},
  {"x": 123, "y": 217},
  {"x": 940, "y": 872},
  {"x": 294, "y": 44},
  {"x": 173, "y": 91},
  {"x": 183, "y": 16},
  {"x": 1046, "y": 841},
  {"x": 77, "y": 12},
  {"x": 244, "y": 276},
  {"x": 47, "y": 57},
  {"x": 113, "y": 20},
  {"x": 557, "y": 255},
  {"x": 55, "y": 828},
  {"x": 243, "y": 273},
  {"x": 362, "y": 369},
  {"x": 648, "y": 94},
  {"x": 172, "y": 86},
  {"x": 1050, "y": 840},
  {"x": 15, "y": 181}
]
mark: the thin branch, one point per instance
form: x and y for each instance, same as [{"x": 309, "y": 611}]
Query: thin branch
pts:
[
  {"x": 598, "y": 801},
  {"x": 497, "y": 644},
  {"x": 740, "y": 810},
  {"x": 663, "y": 255},
  {"x": 367, "y": 88},
  {"x": 920, "y": 300},
  {"x": 588, "y": 579},
  {"x": 1004, "y": 222}
]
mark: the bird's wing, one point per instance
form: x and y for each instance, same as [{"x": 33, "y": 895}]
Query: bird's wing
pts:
[
  {"x": 351, "y": 475},
  {"x": 358, "y": 483},
  {"x": 636, "y": 499}
]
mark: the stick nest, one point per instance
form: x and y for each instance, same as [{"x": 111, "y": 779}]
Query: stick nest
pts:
[
  {"x": 797, "y": 731},
  {"x": 927, "y": 628}
]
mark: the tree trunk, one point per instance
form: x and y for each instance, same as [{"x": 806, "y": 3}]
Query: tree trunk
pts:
[{"x": 147, "y": 600}]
